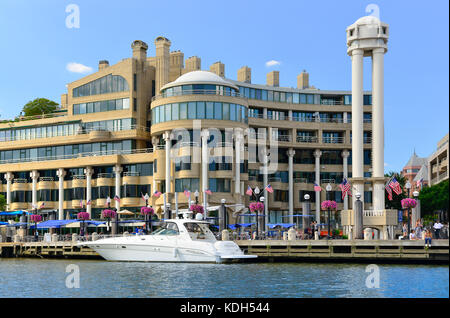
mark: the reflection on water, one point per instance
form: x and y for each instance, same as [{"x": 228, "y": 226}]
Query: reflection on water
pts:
[{"x": 47, "y": 278}]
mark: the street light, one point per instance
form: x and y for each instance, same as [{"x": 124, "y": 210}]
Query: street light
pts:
[
  {"x": 328, "y": 188},
  {"x": 306, "y": 212},
  {"x": 223, "y": 218},
  {"x": 416, "y": 196},
  {"x": 196, "y": 194},
  {"x": 408, "y": 187}
]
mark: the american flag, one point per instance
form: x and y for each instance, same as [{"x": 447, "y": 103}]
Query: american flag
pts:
[
  {"x": 81, "y": 204},
  {"x": 42, "y": 205},
  {"x": 208, "y": 192},
  {"x": 389, "y": 191},
  {"x": 249, "y": 191},
  {"x": 116, "y": 197},
  {"x": 187, "y": 193},
  {"x": 395, "y": 186},
  {"x": 419, "y": 183},
  {"x": 89, "y": 202},
  {"x": 317, "y": 187},
  {"x": 157, "y": 194},
  {"x": 269, "y": 188},
  {"x": 345, "y": 188}
]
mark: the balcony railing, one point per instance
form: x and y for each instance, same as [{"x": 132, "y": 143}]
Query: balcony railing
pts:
[
  {"x": 274, "y": 179},
  {"x": 76, "y": 132},
  {"x": 333, "y": 140},
  {"x": 331, "y": 102},
  {"x": 105, "y": 175},
  {"x": 79, "y": 177},
  {"x": 307, "y": 139},
  {"x": 80, "y": 155},
  {"x": 131, "y": 174},
  {"x": 43, "y": 116},
  {"x": 20, "y": 180},
  {"x": 367, "y": 140},
  {"x": 46, "y": 179},
  {"x": 199, "y": 92},
  {"x": 285, "y": 138},
  {"x": 374, "y": 213},
  {"x": 300, "y": 180},
  {"x": 326, "y": 181}
]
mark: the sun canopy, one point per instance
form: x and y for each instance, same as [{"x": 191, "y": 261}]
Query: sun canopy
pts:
[
  {"x": 307, "y": 215},
  {"x": 238, "y": 225},
  {"x": 14, "y": 213},
  {"x": 283, "y": 225},
  {"x": 251, "y": 215},
  {"x": 54, "y": 224}
]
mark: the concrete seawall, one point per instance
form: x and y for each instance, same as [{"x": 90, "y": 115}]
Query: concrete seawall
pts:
[{"x": 356, "y": 251}]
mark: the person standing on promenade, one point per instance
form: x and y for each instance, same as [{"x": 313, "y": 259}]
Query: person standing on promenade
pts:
[
  {"x": 418, "y": 230},
  {"x": 437, "y": 228}
]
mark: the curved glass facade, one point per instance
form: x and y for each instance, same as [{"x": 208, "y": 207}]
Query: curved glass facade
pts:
[
  {"x": 104, "y": 85},
  {"x": 199, "y": 110},
  {"x": 199, "y": 89}
]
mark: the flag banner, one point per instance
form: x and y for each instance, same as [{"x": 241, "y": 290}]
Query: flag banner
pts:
[
  {"x": 395, "y": 186},
  {"x": 208, "y": 192},
  {"x": 116, "y": 197},
  {"x": 157, "y": 194},
  {"x": 269, "y": 188},
  {"x": 249, "y": 191},
  {"x": 187, "y": 193},
  {"x": 317, "y": 187},
  {"x": 345, "y": 188}
]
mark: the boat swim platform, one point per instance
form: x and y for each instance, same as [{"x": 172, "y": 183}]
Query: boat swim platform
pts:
[{"x": 352, "y": 251}]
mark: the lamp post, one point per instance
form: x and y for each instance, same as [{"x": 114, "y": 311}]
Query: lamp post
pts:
[
  {"x": 257, "y": 191},
  {"x": 417, "y": 207},
  {"x": 222, "y": 217},
  {"x": 306, "y": 211},
  {"x": 196, "y": 194},
  {"x": 328, "y": 188},
  {"x": 408, "y": 187},
  {"x": 149, "y": 216},
  {"x": 262, "y": 201}
]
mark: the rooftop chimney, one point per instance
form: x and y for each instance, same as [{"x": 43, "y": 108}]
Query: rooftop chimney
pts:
[{"x": 102, "y": 64}]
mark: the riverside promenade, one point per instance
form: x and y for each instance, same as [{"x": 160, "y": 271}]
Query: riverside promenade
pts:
[{"x": 356, "y": 251}]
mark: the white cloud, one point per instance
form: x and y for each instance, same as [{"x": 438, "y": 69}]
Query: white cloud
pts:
[
  {"x": 272, "y": 63},
  {"x": 78, "y": 68},
  {"x": 386, "y": 164}
]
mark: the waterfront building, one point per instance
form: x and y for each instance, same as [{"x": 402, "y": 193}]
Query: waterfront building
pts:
[
  {"x": 438, "y": 162},
  {"x": 118, "y": 133},
  {"x": 415, "y": 170}
]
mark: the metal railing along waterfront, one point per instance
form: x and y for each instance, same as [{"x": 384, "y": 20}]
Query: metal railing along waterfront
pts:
[
  {"x": 81, "y": 155},
  {"x": 219, "y": 92}
]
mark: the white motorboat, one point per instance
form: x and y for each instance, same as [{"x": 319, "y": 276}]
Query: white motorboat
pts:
[{"x": 177, "y": 240}]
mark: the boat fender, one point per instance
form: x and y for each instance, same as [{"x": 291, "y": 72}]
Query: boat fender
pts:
[{"x": 175, "y": 252}]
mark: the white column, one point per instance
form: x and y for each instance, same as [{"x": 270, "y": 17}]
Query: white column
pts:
[
  {"x": 117, "y": 170},
  {"x": 155, "y": 142},
  {"x": 60, "y": 173},
  {"x": 205, "y": 152},
  {"x": 317, "y": 154},
  {"x": 34, "y": 175},
  {"x": 9, "y": 176},
  {"x": 89, "y": 171},
  {"x": 168, "y": 140},
  {"x": 238, "y": 146},
  {"x": 345, "y": 155},
  {"x": 378, "y": 127},
  {"x": 291, "y": 153},
  {"x": 357, "y": 122}
]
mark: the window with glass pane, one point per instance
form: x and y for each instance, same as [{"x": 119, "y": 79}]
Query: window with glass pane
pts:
[
  {"x": 168, "y": 110},
  {"x": 226, "y": 111},
  {"x": 200, "y": 110},
  {"x": 183, "y": 110},
  {"x": 192, "y": 110},
  {"x": 209, "y": 110},
  {"x": 175, "y": 111}
]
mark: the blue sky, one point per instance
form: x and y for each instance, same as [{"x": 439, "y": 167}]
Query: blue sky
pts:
[{"x": 36, "y": 47}]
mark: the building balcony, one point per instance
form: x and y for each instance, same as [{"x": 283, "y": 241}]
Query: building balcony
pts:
[
  {"x": 333, "y": 140},
  {"x": 307, "y": 139}
]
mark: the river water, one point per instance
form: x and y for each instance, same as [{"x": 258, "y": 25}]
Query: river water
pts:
[{"x": 53, "y": 278}]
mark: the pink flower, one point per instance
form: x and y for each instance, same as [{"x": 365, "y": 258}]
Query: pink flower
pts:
[
  {"x": 109, "y": 213},
  {"x": 147, "y": 210},
  {"x": 409, "y": 203},
  {"x": 36, "y": 218},
  {"x": 328, "y": 204},
  {"x": 197, "y": 208},
  {"x": 256, "y": 206},
  {"x": 83, "y": 216}
]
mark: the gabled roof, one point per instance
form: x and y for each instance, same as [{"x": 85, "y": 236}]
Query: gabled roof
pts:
[
  {"x": 422, "y": 174},
  {"x": 416, "y": 161}
]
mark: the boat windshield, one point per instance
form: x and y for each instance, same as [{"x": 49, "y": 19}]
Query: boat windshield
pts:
[
  {"x": 199, "y": 231},
  {"x": 167, "y": 228}
]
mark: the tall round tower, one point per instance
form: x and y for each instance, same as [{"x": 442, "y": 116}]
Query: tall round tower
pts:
[{"x": 368, "y": 36}]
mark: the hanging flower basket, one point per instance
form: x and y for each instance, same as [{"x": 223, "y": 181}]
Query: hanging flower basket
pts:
[
  {"x": 256, "y": 206},
  {"x": 328, "y": 204},
  {"x": 409, "y": 203},
  {"x": 83, "y": 216},
  {"x": 109, "y": 213},
  {"x": 147, "y": 211},
  {"x": 197, "y": 208},
  {"x": 36, "y": 218}
]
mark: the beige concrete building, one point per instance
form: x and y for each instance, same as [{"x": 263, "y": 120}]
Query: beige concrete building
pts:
[
  {"x": 438, "y": 162},
  {"x": 160, "y": 123}
]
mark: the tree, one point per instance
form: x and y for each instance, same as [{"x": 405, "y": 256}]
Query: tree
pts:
[
  {"x": 2, "y": 202},
  {"x": 396, "y": 203},
  {"x": 39, "y": 106},
  {"x": 435, "y": 198}
]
